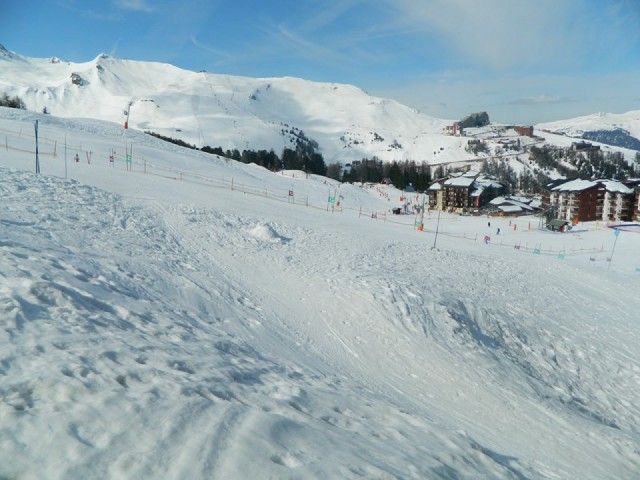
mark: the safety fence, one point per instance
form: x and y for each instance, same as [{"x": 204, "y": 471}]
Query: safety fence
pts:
[{"x": 52, "y": 147}]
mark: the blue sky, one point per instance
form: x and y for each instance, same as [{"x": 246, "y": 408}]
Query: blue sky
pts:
[{"x": 521, "y": 60}]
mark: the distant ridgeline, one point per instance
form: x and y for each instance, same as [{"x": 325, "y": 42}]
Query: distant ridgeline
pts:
[{"x": 617, "y": 137}]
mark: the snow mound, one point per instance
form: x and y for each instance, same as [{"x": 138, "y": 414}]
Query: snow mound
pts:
[{"x": 266, "y": 233}]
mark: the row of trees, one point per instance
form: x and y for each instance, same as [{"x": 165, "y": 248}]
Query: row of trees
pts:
[
  {"x": 11, "y": 102},
  {"x": 298, "y": 159},
  {"x": 303, "y": 157},
  {"x": 591, "y": 164},
  {"x": 400, "y": 174},
  {"x": 527, "y": 181}
]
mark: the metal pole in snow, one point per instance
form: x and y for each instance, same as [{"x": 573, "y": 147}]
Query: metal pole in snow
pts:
[
  {"x": 616, "y": 232},
  {"x": 65, "y": 156},
  {"x": 435, "y": 239},
  {"x": 37, "y": 159}
]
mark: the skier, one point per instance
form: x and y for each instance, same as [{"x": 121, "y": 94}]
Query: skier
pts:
[
  {"x": 489, "y": 224},
  {"x": 77, "y": 158},
  {"x": 498, "y": 231}
]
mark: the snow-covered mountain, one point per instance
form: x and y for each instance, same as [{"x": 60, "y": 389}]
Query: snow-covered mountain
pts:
[
  {"x": 618, "y": 129},
  {"x": 230, "y": 111}
]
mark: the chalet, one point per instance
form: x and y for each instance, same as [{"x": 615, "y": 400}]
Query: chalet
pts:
[
  {"x": 484, "y": 189},
  {"x": 457, "y": 192},
  {"x": 454, "y": 129},
  {"x": 634, "y": 183},
  {"x": 464, "y": 192},
  {"x": 436, "y": 194},
  {"x": 615, "y": 201},
  {"x": 590, "y": 200},
  {"x": 524, "y": 131},
  {"x": 584, "y": 147},
  {"x": 511, "y": 205}
]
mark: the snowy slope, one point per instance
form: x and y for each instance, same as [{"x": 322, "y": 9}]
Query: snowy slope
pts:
[
  {"x": 154, "y": 327},
  {"x": 232, "y": 112},
  {"x": 598, "y": 122}
]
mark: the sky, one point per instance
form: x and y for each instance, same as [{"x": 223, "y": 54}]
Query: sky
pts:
[{"x": 522, "y": 61}]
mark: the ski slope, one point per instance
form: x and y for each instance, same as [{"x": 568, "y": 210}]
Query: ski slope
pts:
[{"x": 158, "y": 325}]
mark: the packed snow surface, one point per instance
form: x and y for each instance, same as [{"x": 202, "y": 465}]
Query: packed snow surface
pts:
[{"x": 190, "y": 322}]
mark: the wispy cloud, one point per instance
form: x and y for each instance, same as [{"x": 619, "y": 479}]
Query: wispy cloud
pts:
[
  {"x": 89, "y": 13},
  {"x": 308, "y": 48},
  {"x": 134, "y": 5},
  {"x": 209, "y": 48},
  {"x": 328, "y": 12},
  {"x": 507, "y": 34},
  {"x": 542, "y": 100}
]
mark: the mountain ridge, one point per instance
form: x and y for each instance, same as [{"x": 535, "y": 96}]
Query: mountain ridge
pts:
[{"x": 231, "y": 111}]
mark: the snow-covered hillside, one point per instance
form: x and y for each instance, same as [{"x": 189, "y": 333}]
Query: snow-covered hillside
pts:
[
  {"x": 620, "y": 129},
  {"x": 231, "y": 112},
  {"x": 163, "y": 325}
]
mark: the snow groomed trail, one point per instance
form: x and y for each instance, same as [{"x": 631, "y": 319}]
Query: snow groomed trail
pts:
[{"x": 163, "y": 330}]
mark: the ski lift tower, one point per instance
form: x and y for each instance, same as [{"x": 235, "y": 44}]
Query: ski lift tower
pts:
[{"x": 127, "y": 112}]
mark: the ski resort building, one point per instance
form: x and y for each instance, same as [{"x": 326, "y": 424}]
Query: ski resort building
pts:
[
  {"x": 453, "y": 129},
  {"x": 523, "y": 131},
  {"x": 511, "y": 205},
  {"x": 591, "y": 200},
  {"x": 634, "y": 184},
  {"x": 463, "y": 193},
  {"x": 436, "y": 196},
  {"x": 584, "y": 147}
]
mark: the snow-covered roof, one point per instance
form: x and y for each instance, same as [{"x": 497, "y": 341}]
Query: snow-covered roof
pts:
[
  {"x": 579, "y": 185},
  {"x": 575, "y": 185},
  {"x": 510, "y": 208},
  {"x": 615, "y": 186},
  {"x": 460, "y": 181},
  {"x": 478, "y": 191},
  {"x": 501, "y": 202},
  {"x": 435, "y": 186}
]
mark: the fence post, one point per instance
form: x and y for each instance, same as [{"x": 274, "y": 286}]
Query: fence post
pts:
[
  {"x": 145, "y": 165},
  {"x": 232, "y": 183}
]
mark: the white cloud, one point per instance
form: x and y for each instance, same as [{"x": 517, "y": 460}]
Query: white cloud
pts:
[{"x": 504, "y": 34}]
